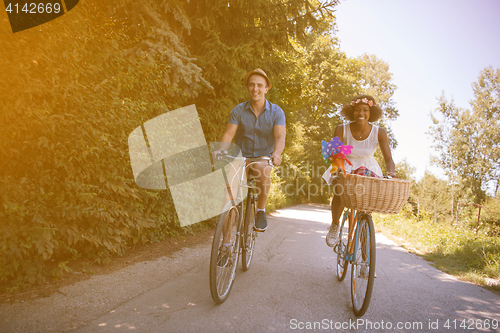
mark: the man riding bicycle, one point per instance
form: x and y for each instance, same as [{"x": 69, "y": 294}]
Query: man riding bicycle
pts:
[{"x": 259, "y": 129}]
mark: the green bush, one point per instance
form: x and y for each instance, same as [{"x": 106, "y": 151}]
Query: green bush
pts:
[
  {"x": 457, "y": 250},
  {"x": 74, "y": 95}
]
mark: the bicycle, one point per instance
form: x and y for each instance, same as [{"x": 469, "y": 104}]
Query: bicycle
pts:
[
  {"x": 357, "y": 246},
  {"x": 233, "y": 234}
]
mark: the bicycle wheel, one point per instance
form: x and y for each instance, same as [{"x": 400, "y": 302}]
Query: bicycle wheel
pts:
[
  {"x": 363, "y": 267},
  {"x": 249, "y": 234},
  {"x": 341, "y": 248},
  {"x": 224, "y": 257}
]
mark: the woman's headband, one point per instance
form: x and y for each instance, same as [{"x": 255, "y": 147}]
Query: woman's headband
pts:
[{"x": 363, "y": 100}]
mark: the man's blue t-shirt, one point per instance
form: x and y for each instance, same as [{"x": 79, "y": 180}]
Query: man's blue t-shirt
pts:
[{"x": 255, "y": 135}]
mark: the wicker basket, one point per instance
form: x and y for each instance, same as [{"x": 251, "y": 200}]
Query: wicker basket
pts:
[{"x": 371, "y": 194}]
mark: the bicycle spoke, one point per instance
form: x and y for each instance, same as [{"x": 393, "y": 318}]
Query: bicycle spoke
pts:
[
  {"x": 341, "y": 248},
  {"x": 249, "y": 233},
  {"x": 224, "y": 257}
]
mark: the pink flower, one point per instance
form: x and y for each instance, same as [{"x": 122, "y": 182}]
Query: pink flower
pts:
[
  {"x": 345, "y": 150},
  {"x": 364, "y": 100}
]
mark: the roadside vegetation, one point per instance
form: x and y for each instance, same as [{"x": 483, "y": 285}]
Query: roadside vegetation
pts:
[
  {"x": 455, "y": 249},
  {"x": 453, "y": 220}
]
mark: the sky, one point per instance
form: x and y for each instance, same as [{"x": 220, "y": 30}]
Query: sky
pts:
[{"x": 432, "y": 47}]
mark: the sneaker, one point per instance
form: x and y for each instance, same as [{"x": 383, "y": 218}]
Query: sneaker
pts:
[
  {"x": 332, "y": 237},
  {"x": 261, "y": 223},
  {"x": 223, "y": 258}
]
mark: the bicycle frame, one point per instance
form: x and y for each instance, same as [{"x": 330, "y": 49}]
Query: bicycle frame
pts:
[
  {"x": 245, "y": 165},
  {"x": 354, "y": 217},
  {"x": 241, "y": 181}
]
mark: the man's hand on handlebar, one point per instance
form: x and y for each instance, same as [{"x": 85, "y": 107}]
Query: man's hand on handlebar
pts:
[
  {"x": 218, "y": 154},
  {"x": 276, "y": 159}
]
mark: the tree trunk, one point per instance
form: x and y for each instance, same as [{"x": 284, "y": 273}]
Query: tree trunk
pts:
[
  {"x": 452, "y": 205},
  {"x": 435, "y": 212},
  {"x": 452, "y": 198},
  {"x": 418, "y": 209}
]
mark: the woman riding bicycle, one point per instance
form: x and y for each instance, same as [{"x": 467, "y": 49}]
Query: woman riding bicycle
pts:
[{"x": 364, "y": 137}]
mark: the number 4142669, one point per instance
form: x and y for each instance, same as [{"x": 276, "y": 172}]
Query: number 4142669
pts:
[
  {"x": 471, "y": 324},
  {"x": 34, "y": 8}
]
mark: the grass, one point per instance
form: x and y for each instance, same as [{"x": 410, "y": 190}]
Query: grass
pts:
[{"x": 456, "y": 250}]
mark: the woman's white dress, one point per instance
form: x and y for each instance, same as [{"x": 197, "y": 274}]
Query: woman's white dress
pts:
[{"x": 361, "y": 153}]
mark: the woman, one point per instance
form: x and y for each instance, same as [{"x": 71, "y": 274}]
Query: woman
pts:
[{"x": 364, "y": 138}]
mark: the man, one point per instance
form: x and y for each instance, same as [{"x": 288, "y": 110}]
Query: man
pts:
[{"x": 259, "y": 127}]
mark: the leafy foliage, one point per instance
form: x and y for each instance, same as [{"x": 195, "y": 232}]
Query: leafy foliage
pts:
[
  {"x": 327, "y": 80},
  {"x": 432, "y": 195},
  {"x": 77, "y": 87},
  {"x": 376, "y": 81},
  {"x": 467, "y": 141},
  {"x": 457, "y": 250},
  {"x": 228, "y": 39}
]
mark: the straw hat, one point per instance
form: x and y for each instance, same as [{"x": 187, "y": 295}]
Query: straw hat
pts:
[{"x": 261, "y": 73}]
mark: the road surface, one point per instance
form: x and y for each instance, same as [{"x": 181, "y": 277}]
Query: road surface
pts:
[{"x": 291, "y": 287}]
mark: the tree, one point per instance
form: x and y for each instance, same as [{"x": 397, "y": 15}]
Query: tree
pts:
[
  {"x": 292, "y": 42},
  {"x": 78, "y": 86},
  {"x": 486, "y": 107},
  {"x": 458, "y": 140},
  {"x": 467, "y": 141},
  {"x": 404, "y": 170},
  {"x": 376, "y": 80},
  {"x": 327, "y": 80},
  {"x": 229, "y": 38},
  {"x": 433, "y": 195}
]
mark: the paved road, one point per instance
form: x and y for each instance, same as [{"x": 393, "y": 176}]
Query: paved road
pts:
[{"x": 291, "y": 286}]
